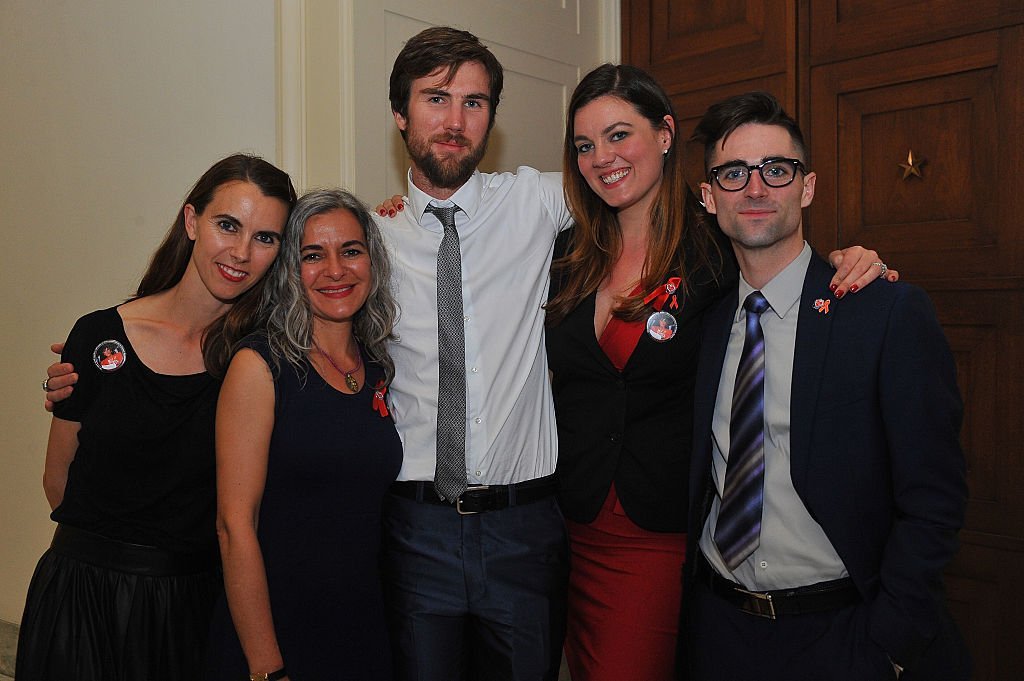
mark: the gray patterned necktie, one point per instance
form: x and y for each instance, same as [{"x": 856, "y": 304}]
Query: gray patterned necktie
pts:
[
  {"x": 738, "y": 532},
  {"x": 450, "y": 474}
]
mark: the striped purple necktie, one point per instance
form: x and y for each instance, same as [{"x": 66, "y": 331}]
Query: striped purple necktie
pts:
[{"x": 738, "y": 531}]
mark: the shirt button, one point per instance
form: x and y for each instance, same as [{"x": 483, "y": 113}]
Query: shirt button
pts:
[
  {"x": 478, "y": 420},
  {"x": 764, "y": 564},
  {"x": 466, "y": 318},
  {"x": 478, "y": 474},
  {"x": 475, "y": 370}
]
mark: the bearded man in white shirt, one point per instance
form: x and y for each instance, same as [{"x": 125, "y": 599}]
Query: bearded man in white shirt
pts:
[{"x": 476, "y": 578}]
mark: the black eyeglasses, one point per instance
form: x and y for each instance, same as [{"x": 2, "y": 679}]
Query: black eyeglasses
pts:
[{"x": 775, "y": 172}]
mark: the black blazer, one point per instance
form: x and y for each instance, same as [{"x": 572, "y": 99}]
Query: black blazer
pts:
[
  {"x": 633, "y": 427},
  {"x": 875, "y": 423}
]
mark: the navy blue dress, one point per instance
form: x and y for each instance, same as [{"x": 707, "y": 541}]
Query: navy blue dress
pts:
[{"x": 332, "y": 458}]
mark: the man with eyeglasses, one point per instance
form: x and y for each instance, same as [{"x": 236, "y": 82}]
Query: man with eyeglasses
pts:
[{"x": 827, "y": 480}]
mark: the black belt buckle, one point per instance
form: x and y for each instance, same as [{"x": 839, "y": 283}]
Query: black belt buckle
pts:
[
  {"x": 462, "y": 498},
  {"x": 758, "y": 603}
]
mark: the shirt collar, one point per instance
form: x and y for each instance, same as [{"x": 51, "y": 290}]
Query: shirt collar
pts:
[
  {"x": 467, "y": 197},
  {"x": 783, "y": 291}
]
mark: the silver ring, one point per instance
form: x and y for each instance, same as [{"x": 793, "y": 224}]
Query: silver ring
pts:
[
  {"x": 46, "y": 385},
  {"x": 883, "y": 267}
]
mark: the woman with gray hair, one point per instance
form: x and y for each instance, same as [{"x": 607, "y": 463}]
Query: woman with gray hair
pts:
[{"x": 305, "y": 452}]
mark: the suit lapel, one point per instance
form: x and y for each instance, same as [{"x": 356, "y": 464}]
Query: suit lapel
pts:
[
  {"x": 813, "y": 331},
  {"x": 582, "y": 321},
  {"x": 714, "y": 342}
]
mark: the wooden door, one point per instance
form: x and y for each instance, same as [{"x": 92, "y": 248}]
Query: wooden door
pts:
[
  {"x": 872, "y": 82},
  {"x": 955, "y": 229}
]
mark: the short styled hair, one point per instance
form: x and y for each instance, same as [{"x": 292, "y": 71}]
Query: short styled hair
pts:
[
  {"x": 441, "y": 47},
  {"x": 722, "y": 119}
]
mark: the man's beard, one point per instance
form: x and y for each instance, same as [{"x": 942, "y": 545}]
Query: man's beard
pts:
[{"x": 446, "y": 173}]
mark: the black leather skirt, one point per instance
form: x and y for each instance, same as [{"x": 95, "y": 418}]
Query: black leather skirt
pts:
[{"x": 101, "y": 609}]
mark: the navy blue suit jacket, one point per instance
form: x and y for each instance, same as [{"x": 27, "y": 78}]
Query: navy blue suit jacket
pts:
[{"x": 876, "y": 459}]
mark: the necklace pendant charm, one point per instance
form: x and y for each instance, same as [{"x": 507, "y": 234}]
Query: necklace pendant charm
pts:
[{"x": 350, "y": 380}]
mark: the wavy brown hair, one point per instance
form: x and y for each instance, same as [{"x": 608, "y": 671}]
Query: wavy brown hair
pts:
[
  {"x": 169, "y": 262},
  {"x": 679, "y": 240},
  {"x": 286, "y": 304}
]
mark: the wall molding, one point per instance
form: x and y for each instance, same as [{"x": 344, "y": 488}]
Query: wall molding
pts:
[{"x": 291, "y": 89}]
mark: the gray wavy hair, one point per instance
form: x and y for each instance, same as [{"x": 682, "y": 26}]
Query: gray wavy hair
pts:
[{"x": 286, "y": 307}]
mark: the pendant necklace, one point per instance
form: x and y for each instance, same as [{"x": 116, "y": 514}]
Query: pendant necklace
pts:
[{"x": 350, "y": 380}]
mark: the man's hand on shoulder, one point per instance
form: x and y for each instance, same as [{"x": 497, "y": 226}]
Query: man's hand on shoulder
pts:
[{"x": 60, "y": 377}]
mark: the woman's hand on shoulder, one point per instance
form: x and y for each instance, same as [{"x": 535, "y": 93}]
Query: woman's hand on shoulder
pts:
[
  {"x": 857, "y": 267},
  {"x": 389, "y": 208}
]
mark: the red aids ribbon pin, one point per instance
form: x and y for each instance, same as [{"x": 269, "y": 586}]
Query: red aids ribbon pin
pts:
[
  {"x": 661, "y": 294},
  {"x": 378, "y": 398},
  {"x": 822, "y": 305}
]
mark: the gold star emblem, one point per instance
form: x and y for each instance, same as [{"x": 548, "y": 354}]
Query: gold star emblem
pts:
[{"x": 912, "y": 166}]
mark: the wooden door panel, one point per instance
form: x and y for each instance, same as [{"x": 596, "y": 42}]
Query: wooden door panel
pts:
[
  {"x": 946, "y": 122},
  {"x": 701, "y": 43},
  {"x": 947, "y": 103},
  {"x": 983, "y": 595},
  {"x": 984, "y": 329},
  {"x": 842, "y": 29}
]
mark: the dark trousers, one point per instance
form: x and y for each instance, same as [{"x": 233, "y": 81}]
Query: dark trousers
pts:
[
  {"x": 727, "y": 643},
  {"x": 475, "y": 596}
]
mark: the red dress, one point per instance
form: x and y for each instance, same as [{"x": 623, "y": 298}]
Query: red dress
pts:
[{"x": 625, "y": 585}]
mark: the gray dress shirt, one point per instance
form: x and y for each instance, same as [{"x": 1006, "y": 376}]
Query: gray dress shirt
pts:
[{"x": 794, "y": 550}]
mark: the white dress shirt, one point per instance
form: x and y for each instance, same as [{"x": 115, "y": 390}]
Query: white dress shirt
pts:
[
  {"x": 507, "y": 225},
  {"x": 794, "y": 550}
]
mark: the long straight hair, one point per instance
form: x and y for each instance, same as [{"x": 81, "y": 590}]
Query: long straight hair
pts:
[
  {"x": 169, "y": 262},
  {"x": 679, "y": 240}
]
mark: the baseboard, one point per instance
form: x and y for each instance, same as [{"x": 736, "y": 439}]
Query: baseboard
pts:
[{"x": 8, "y": 647}]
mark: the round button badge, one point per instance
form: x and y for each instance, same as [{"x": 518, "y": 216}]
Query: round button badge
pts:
[
  {"x": 662, "y": 326},
  {"x": 109, "y": 356}
]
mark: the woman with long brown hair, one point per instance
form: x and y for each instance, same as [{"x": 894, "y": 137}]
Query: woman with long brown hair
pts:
[
  {"x": 126, "y": 589},
  {"x": 629, "y": 287}
]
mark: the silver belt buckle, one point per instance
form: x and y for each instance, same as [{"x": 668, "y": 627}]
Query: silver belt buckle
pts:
[
  {"x": 761, "y": 604},
  {"x": 458, "y": 502}
]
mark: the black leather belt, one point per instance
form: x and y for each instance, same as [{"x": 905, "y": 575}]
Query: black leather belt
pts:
[
  {"x": 113, "y": 554},
  {"x": 479, "y": 498},
  {"x": 820, "y": 597}
]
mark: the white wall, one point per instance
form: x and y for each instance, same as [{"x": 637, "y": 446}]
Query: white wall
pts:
[
  {"x": 110, "y": 110},
  {"x": 338, "y": 63}
]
